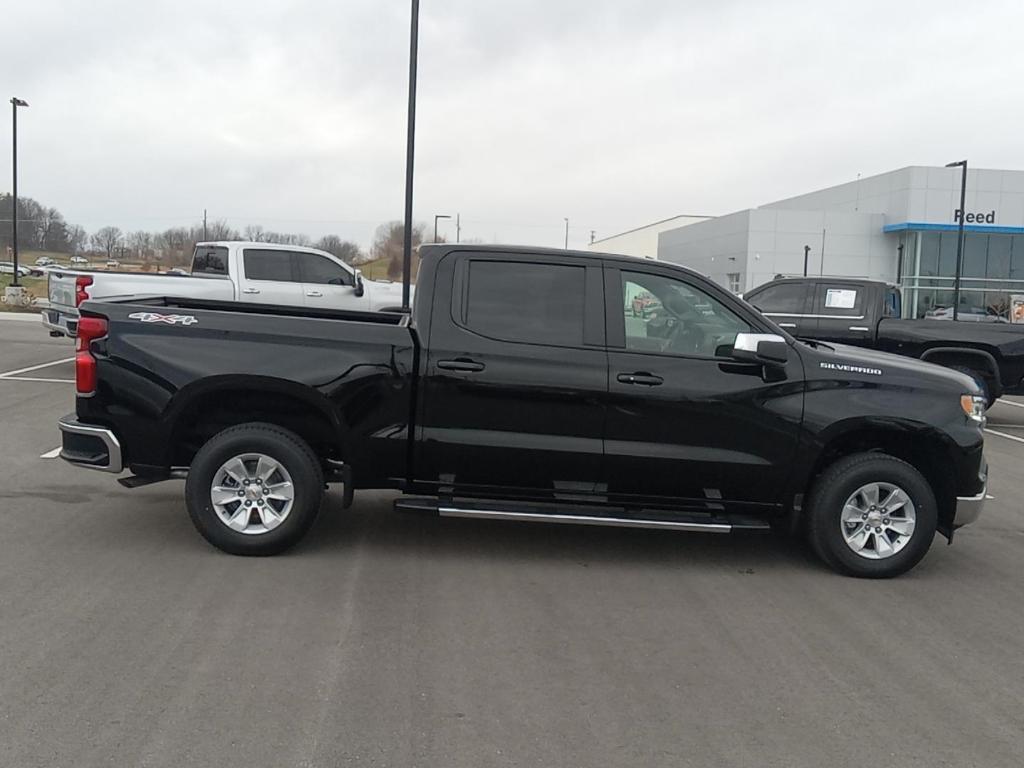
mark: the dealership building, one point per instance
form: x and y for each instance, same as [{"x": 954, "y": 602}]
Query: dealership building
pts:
[{"x": 899, "y": 226}]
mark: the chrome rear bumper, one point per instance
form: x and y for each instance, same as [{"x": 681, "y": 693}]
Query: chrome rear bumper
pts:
[
  {"x": 57, "y": 321},
  {"x": 85, "y": 445}
]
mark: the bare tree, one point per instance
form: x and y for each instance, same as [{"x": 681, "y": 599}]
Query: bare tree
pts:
[
  {"x": 388, "y": 244},
  {"x": 220, "y": 230},
  {"x": 107, "y": 239},
  {"x": 343, "y": 249},
  {"x": 254, "y": 233},
  {"x": 141, "y": 243},
  {"x": 50, "y": 230},
  {"x": 77, "y": 238}
]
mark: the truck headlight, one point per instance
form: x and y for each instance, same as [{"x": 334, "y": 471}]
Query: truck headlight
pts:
[{"x": 974, "y": 407}]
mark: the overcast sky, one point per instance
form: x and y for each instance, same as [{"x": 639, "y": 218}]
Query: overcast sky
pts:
[{"x": 614, "y": 114}]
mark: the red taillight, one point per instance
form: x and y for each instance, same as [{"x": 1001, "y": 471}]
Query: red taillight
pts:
[
  {"x": 89, "y": 329},
  {"x": 81, "y": 283}
]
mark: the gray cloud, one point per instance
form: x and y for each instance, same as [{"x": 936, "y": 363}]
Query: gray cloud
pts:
[{"x": 291, "y": 114}]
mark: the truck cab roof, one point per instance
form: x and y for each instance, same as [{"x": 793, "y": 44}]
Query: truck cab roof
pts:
[{"x": 435, "y": 250}]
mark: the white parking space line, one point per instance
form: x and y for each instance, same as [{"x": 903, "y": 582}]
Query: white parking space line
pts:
[
  {"x": 8, "y": 374},
  {"x": 36, "y": 378},
  {"x": 1004, "y": 401},
  {"x": 1008, "y": 437},
  {"x": 51, "y": 454}
]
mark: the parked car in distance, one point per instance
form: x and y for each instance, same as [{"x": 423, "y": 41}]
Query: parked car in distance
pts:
[
  {"x": 44, "y": 261},
  {"x": 966, "y": 314},
  {"x": 641, "y": 303},
  {"x": 7, "y": 268},
  {"x": 258, "y": 273},
  {"x": 79, "y": 260},
  {"x": 522, "y": 388},
  {"x": 113, "y": 263},
  {"x": 867, "y": 313}
]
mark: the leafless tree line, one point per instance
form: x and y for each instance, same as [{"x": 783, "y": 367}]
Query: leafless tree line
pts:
[{"x": 44, "y": 228}]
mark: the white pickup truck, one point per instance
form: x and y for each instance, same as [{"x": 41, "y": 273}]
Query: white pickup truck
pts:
[{"x": 263, "y": 273}]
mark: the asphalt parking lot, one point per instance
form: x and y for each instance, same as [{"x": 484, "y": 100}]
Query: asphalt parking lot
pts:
[{"x": 387, "y": 640}]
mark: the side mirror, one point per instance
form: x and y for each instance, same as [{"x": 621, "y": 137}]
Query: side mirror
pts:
[
  {"x": 766, "y": 348},
  {"x": 360, "y": 289}
]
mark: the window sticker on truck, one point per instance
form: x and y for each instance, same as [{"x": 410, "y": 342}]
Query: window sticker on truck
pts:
[
  {"x": 839, "y": 298},
  {"x": 153, "y": 317},
  {"x": 847, "y": 368}
]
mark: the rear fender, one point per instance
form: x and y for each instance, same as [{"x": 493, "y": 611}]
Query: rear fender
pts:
[{"x": 205, "y": 393}]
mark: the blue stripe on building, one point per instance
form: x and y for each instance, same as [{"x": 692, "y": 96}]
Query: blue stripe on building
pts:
[{"x": 927, "y": 227}]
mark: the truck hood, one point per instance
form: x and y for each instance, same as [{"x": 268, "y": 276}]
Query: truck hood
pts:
[{"x": 856, "y": 362}]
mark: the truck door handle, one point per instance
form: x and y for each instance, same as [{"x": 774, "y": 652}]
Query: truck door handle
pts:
[
  {"x": 859, "y": 328},
  {"x": 787, "y": 325},
  {"x": 467, "y": 366},
  {"x": 314, "y": 293},
  {"x": 640, "y": 377},
  {"x": 250, "y": 290}
]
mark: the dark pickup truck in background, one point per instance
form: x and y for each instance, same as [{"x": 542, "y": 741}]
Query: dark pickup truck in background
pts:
[
  {"x": 866, "y": 313},
  {"x": 524, "y": 387}
]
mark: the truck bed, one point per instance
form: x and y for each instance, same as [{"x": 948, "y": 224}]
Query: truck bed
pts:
[
  {"x": 177, "y": 303},
  {"x": 176, "y": 370}
]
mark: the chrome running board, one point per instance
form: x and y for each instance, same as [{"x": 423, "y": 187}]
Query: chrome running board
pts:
[
  {"x": 710, "y": 521},
  {"x": 611, "y": 522}
]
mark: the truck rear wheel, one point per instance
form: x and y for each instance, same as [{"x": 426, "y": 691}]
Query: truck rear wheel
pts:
[
  {"x": 254, "y": 489},
  {"x": 871, "y": 515}
]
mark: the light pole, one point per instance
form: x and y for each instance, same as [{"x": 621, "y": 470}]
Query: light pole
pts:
[
  {"x": 15, "y": 103},
  {"x": 807, "y": 252},
  {"x": 959, "y": 236},
  {"x": 567, "y": 234},
  {"x": 438, "y": 216},
  {"x": 410, "y": 150}
]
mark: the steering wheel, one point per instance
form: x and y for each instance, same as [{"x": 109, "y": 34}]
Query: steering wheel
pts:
[{"x": 685, "y": 338}]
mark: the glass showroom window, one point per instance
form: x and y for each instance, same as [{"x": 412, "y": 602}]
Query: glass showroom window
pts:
[
  {"x": 993, "y": 270},
  {"x": 734, "y": 281}
]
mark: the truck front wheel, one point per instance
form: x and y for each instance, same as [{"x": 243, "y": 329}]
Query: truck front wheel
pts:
[
  {"x": 871, "y": 515},
  {"x": 254, "y": 489}
]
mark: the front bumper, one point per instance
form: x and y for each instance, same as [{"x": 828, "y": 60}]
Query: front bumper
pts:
[
  {"x": 968, "y": 508},
  {"x": 86, "y": 445}
]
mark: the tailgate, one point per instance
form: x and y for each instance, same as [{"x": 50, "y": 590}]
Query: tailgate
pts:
[{"x": 61, "y": 290}]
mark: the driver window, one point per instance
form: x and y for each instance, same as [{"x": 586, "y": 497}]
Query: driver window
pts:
[
  {"x": 672, "y": 317},
  {"x": 321, "y": 271}
]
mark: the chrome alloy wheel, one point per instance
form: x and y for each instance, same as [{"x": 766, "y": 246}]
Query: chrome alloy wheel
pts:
[
  {"x": 252, "y": 493},
  {"x": 878, "y": 520}
]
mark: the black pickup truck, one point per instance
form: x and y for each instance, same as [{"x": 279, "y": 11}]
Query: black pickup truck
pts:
[
  {"x": 522, "y": 387},
  {"x": 866, "y": 313}
]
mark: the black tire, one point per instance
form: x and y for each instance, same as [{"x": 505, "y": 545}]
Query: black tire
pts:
[
  {"x": 284, "y": 447},
  {"x": 980, "y": 380},
  {"x": 829, "y": 495}
]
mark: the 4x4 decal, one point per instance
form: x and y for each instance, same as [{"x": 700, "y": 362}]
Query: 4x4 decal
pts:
[{"x": 154, "y": 317}]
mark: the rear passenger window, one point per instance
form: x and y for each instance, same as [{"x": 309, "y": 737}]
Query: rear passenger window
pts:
[
  {"x": 525, "y": 302},
  {"x": 892, "y": 304},
  {"x": 269, "y": 265},
  {"x": 210, "y": 260},
  {"x": 839, "y": 300},
  {"x": 781, "y": 299}
]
